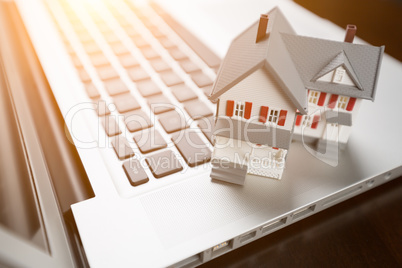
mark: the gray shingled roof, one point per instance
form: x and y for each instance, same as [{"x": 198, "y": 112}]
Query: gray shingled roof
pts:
[
  {"x": 245, "y": 56},
  {"x": 339, "y": 60},
  {"x": 314, "y": 57}
]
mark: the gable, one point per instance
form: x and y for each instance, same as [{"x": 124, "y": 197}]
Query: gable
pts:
[
  {"x": 338, "y": 75},
  {"x": 315, "y": 57},
  {"x": 341, "y": 68}
]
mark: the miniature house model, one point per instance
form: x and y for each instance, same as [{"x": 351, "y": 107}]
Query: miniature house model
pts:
[{"x": 269, "y": 83}]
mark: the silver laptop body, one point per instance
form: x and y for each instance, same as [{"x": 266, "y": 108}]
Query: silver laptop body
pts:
[{"x": 183, "y": 219}]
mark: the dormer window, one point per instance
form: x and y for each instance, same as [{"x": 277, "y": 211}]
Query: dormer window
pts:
[{"x": 338, "y": 75}]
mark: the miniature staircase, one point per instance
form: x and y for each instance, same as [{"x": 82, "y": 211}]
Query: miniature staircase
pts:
[{"x": 228, "y": 171}]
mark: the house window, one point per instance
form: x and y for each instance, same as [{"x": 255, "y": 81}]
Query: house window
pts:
[
  {"x": 239, "y": 109},
  {"x": 342, "y": 102},
  {"x": 313, "y": 96},
  {"x": 273, "y": 116},
  {"x": 307, "y": 120},
  {"x": 339, "y": 73}
]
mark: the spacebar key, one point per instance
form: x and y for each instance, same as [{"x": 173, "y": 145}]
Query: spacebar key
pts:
[{"x": 210, "y": 58}]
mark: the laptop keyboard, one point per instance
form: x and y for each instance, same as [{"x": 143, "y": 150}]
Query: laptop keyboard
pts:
[{"x": 133, "y": 66}]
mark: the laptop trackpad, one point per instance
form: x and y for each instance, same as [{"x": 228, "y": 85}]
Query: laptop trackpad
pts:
[{"x": 199, "y": 205}]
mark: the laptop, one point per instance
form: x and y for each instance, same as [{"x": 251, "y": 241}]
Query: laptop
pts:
[{"x": 122, "y": 73}]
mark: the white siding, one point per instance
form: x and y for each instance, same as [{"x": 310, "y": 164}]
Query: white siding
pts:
[{"x": 261, "y": 89}]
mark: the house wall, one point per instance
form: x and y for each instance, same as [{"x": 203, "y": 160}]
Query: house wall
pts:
[
  {"x": 261, "y": 89},
  {"x": 311, "y": 135}
]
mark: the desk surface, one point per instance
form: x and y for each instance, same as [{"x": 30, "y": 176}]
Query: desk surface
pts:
[{"x": 365, "y": 230}]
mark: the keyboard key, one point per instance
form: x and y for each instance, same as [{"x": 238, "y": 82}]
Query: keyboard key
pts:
[
  {"x": 149, "y": 140},
  {"x": 160, "y": 104},
  {"x": 137, "y": 120},
  {"x": 120, "y": 49},
  {"x": 177, "y": 54},
  {"x": 148, "y": 88},
  {"x": 137, "y": 74},
  {"x": 84, "y": 76},
  {"x": 102, "y": 108},
  {"x": 76, "y": 61},
  {"x": 173, "y": 121},
  {"x": 111, "y": 126},
  {"x": 107, "y": 72},
  {"x": 139, "y": 41},
  {"x": 123, "y": 22},
  {"x": 189, "y": 66},
  {"x": 163, "y": 164},
  {"x": 160, "y": 65},
  {"x": 206, "y": 125},
  {"x": 171, "y": 79},
  {"x": 122, "y": 147},
  {"x": 156, "y": 32},
  {"x": 183, "y": 93},
  {"x": 103, "y": 28},
  {"x": 91, "y": 90},
  {"x": 78, "y": 27},
  {"x": 147, "y": 22},
  {"x": 128, "y": 61},
  {"x": 135, "y": 172},
  {"x": 115, "y": 86},
  {"x": 202, "y": 50},
  {"x": 207, "y": 90},
  {"x": 149, "y": 53},
  {"x": 92, "y": 48},
  {"x": 191, "y": 147},
  {"x": 166, "y": 43},
  {"x": 69, "y": 48},
  {"x": 201, "y": 80},
  {"x": 131, "y": 31},
  {"x": 97, "y": 19},
  {"x": 110, "y": 37},
  {"x": 197, "y": 109},
  {"x": 99, "y": 59},
  {"x": 85, "y": 37},
  {"x": 125, "y": 103}
]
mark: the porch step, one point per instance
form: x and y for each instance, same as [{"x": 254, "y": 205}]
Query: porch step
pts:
[{"x": 228, "y": 171}]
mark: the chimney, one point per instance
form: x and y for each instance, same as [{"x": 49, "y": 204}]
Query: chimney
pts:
[
  {"x": 350, "y": 33},
  {"x": 262, "y": 27}
]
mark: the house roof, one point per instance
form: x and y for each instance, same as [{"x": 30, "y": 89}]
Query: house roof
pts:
[
  {"x": 339, "y": 60},
  {"x": 246, "y": 56},
  {"x": 315, "y": 57}
]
